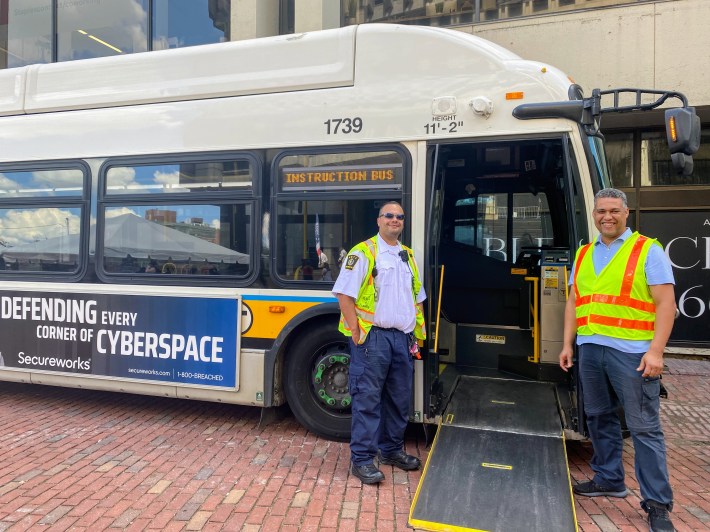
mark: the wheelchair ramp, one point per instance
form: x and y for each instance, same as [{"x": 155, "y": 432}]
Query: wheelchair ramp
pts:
[{"x": 498, "y": 462}]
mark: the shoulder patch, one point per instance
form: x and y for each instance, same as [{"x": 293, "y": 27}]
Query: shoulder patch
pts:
[{"x": 351, "y": 261}]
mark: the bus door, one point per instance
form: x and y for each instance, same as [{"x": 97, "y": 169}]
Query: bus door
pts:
[{"x": 499, "y": 211}]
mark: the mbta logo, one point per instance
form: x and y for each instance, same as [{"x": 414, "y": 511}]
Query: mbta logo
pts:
[{"x": 247, "y": 318}]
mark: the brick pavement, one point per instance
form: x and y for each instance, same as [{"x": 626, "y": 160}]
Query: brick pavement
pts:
[{"x": 84, "y": 460}]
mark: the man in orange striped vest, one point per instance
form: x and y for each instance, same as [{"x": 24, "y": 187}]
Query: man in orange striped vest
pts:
[{"x": 621, "y": 309}]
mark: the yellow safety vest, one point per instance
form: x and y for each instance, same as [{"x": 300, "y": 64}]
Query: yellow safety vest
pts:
[
  {"x": 365, "y": 303},
  {"x": 617, "y": 302}
]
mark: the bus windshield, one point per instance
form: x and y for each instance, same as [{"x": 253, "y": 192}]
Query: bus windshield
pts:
[{"x": 596, "y": 148}]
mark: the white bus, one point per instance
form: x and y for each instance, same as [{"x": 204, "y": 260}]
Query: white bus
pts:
[{"x": 171, "y": 222}]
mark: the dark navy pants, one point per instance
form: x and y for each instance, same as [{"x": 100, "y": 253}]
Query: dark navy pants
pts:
[
  {"x": 381, "y": 371},
  {"x": 599, "y": 368}
]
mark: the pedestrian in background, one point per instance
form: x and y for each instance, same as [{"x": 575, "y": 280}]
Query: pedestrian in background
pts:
[
  {"x": 380, "y": 293},
  {"x": 621, "y": 308}
]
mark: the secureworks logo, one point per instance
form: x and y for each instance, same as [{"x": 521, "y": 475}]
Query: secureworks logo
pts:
[{"x": 76, "y": 364}]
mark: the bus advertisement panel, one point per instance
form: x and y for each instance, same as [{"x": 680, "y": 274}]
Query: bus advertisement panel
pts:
[{"x": 158, "y": 338}]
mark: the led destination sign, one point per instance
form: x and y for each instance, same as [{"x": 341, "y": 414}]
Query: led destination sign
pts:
[{"x": 386, "y": 176}]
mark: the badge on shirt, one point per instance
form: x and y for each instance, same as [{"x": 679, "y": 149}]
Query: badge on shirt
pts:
[{"x": 351, "y": 262}]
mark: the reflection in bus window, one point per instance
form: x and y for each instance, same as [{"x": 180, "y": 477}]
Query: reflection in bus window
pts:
[
  {"x": 333, "y": 226},
  {"x": 40, "y": 239},
  {"x": 486, "y": 227},
  {"x": 596, "y": 148},
  {"x": 182, "y": 177},
  {"x": 41, "y": 183},
  {"x": 188, "y": 239},
  {"x": 503, "y": 197},
  {"x": 314, "y": 233}
]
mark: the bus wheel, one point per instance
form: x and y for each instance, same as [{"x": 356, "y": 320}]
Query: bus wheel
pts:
[{"x": 316, "y": 382}]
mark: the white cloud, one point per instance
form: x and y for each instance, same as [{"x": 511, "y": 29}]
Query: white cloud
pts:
[
  {"x": 7, "y": 184},
  {"x": 173, "y": 178},
  {"x": 121, "y": 176},
  {"x": 20, "y": 226}
]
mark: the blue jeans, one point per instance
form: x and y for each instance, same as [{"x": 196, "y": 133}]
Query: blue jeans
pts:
[
  {"x": 601, "y": 369},
  {"x": 381, "y": 372}
]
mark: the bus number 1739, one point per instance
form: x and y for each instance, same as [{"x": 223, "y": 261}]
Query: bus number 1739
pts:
[{"x": 333, "y": 126}]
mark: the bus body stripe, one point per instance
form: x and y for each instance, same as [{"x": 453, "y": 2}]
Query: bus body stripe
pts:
[{"x": 301, "y": 299}]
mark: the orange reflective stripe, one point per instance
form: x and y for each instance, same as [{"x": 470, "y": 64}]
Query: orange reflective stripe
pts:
[
  {"x": 623, "y": 301},
  {"x": 582, "y": 300},
  {"x": 638, "y": 325},
  {"x": 630, "y": 270},
  {"x": 582, "y": 253},
  {"x": 364, "y": 314},
  {"x": 372, "y": 245}
]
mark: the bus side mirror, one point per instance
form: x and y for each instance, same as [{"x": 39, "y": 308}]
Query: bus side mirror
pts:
[{"x": 683, "y": 135}]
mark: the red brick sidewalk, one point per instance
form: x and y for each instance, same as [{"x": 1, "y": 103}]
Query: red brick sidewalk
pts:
[{"x": 82, "y": 460}]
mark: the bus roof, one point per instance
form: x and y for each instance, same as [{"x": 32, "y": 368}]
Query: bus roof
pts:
[{"x": 300, "y": 62}]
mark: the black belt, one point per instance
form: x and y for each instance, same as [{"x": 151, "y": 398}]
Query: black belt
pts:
[{"x": 388, "y": 329}]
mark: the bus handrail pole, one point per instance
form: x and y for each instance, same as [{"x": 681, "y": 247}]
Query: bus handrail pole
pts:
[
  {"x": 536, "y": 325},
  {"x": 438, "y": 310}
]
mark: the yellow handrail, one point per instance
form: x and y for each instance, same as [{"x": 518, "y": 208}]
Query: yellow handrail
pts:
[
  {"x": 536, "y": 325},
  {"x": 438, "y": 310}
]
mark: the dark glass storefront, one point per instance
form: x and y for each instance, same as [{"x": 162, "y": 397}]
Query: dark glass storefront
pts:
[{"x": 46, "y": 31}]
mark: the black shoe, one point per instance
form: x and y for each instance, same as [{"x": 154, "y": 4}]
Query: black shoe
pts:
[
  {"x": 402, "y": 460},
  {"x": 658, "y": 518},
  {"x": 368, "y": 473},
  {"x": 592, "y": 489}
]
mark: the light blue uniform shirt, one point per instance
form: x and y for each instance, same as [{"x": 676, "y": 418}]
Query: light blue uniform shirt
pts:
[
  {"x": 658, "y": 270},
  {"x": 394, "y": 304}
]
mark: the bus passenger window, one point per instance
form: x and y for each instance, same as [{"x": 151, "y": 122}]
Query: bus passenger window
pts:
[
  {"x": 316, "y": 221},
  {"x": 340, "y": 224},
  {"x": 174, "y": 239},
  {"x": 40, "y": 239},
  {"x": 178, "y": 217},
  {"x": 43, "y": 235}
]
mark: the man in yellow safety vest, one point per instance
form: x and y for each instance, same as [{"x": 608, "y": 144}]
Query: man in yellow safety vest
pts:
[
  {"x": 380, "y": 293},
  {"x": 621, "y": 309}
]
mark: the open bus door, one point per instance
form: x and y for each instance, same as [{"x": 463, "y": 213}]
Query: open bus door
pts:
[
  {"x": 501, "y": 216},
  {"x": 500, "y": 228}
]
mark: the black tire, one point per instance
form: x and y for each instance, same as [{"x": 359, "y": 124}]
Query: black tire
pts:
[{"x": 320, "y": 354}]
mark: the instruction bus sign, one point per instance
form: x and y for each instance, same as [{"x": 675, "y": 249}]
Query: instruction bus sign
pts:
[{"x": 338, "y": 177}]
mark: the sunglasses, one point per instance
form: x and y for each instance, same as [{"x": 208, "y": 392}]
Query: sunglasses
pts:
[{"x": 390, "y": 215}]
